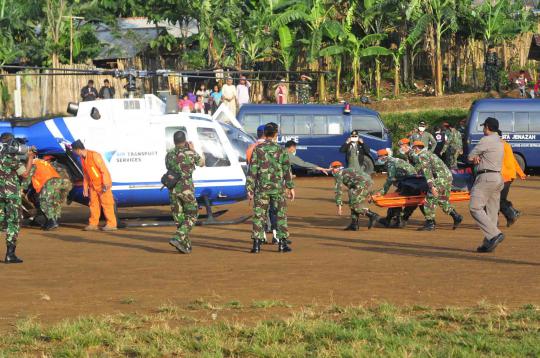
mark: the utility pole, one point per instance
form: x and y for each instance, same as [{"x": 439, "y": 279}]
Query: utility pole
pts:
[{"x": 71, "y": 35}]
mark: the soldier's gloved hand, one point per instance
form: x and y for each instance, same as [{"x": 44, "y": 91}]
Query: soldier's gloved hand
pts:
[
  {"x": 291, "y": 194},
  {"x": 85, "y": 192},
  {"x": 250, "y": 195}
]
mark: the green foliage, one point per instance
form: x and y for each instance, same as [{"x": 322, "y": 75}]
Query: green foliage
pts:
[
  {"x": 399, "y": 124},
  {"x": 385, "y": 330}
]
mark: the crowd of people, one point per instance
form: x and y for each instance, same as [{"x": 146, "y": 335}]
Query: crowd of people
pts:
[{"x": 207, "y": 101}]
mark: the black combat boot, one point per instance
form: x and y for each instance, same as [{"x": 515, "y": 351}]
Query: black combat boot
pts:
[
  {"x": 510, "y": 213},
  {"x": 398, "y": 223},
  {"x": 10, "y": 255},
  {"x": 50, "y": 225},
  {"x": 283, "y": 247},
  {"x": 390, "y": 214},
  {"x": 457, "y": 219},
  {"x": 429, "y": 225},
  {"x": 353, "y": 226},
  {"x": 490, "y": 245},
  {"x": 373, "y": 218},
  {"x": 256, "y": 246}
]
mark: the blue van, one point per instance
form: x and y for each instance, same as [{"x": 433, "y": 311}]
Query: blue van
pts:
[
  {"x": 519, "y": 121},
  {"x": 318, "y": 129}
]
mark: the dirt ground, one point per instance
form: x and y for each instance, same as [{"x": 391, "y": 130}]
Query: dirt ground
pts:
[{"x": 69, "y": 272}]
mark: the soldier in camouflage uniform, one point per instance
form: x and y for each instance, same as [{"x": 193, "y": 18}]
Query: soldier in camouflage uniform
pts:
[
  {"x": 181, "y": 160},
  {"x": 453, "y": 147},
  {"x": 269, "y": 179},
  {"x": 426, "y": 137},
  {"x": 303, "y": 90},
  {"x": 53, "y": 193},
  {"x": 491, "y": 69},
  {"x": 439, "y": 180},
  {"x": 359, "y": 184},
  {"x": 396, "y": 169},
  {"x": 10, "y": 196}
]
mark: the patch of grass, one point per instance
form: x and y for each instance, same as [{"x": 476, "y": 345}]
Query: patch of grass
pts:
[
  {"x": 335, "y": 331},
  {"x": 234, "y": 305},
  {"x": 399, "y": 124},
  {"x": 167, "y": 308},
  {"x": 269, "y": 304},
  {"x": 202, "y": 304},
  {"x": 127, "y": 300}
]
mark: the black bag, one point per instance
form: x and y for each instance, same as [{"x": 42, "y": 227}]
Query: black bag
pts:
[{"x": 170, "y": 179}]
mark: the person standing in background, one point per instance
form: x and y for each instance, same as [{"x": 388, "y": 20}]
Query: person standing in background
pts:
[
  {"x": 440, "y": 138},
  {"x": 106, "y": 92},
  {"x": 453, "y": 147},
  {"x": 228, "y": 95},
  {"x": 185, "y": 105},
  {"x": 242, "y": 91},
  {"x": 282, "y": 92},
  {"x": 355, "y": 150},
  {"x": 215, "y": 97},
  {"x": 205, "y": 94},
  {"x": 487, "y": 156},
  {"x": 199, "y": 106},
  {"x": 491, "y": 69},
  {"x": 420, "y": 134},
  {"x": 89, "y": 92},
  {"x": 303, "y": 89}
]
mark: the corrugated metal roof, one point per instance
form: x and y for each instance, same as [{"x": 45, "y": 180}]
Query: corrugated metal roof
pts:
[{"x": 133, "y": 35}]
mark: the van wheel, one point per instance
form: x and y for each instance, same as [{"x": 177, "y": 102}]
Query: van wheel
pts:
[
  {"x": 369, "y": 166},
  {"x": 520, "y": 161}
]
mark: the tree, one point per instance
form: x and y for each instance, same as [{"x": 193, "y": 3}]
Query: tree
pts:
[{"x": 336, "y": 32}]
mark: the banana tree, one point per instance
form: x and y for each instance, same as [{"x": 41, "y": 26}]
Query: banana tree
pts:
[
  {"x": 285, "y": 49},
  {"x": 314, "y": 15},
  {"x": 335, "y": 31},
  {"x": 376, "y": 52}
]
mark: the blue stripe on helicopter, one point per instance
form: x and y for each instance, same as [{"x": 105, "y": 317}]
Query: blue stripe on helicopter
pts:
[
  {"x": 151, "y": 197},
  {"x": 61, "y": 124},
  {"x": 195, "y": 181}
]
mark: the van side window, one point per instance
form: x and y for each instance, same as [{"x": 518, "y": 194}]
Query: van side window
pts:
[
  {"x": 335, "y": 125},
  {"x": 534, "y": 125},
  {"x": 302, "y": 124},
  {"x": 521, "y": 122},
  {"x": 251, "y": 122},
  {"x": 368, "y": 125},
  {"x": 506, "y": 120},
  {"x": 318, "y": 126},
  {"x": 286, "y": 126}
]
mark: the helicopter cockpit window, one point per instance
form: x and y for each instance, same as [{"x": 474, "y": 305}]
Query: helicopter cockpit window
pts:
[
  {"x": 240, "y": 141},
  {"x": 169, "y": 133},
  {"x": 214, "y": 153}
]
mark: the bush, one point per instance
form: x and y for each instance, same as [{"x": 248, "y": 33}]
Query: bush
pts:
[{"x": 400, "y": 124}]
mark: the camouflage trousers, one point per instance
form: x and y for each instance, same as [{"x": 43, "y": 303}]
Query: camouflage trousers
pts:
[
  {"x": 261, "y": 203},
  {"x": 53, "y": 194},
  {"x": 10, "y": 218},
  {"x": 442, "y": 200},
  {"x": 184, "y": 212},
  {"x": 357, "y": 198},
  {"x": 492, "y": 79},
  {"x": 451, "y": 158}
]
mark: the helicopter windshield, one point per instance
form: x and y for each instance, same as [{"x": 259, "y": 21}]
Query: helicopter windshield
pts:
[
  {"x": 214, "y": 153},
  {"x": 240, "y": 141}
]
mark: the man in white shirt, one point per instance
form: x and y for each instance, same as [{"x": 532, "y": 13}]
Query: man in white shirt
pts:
[{"x": 242, "y": 91}]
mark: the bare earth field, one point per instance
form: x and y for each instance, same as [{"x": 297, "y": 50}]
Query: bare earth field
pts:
[{"x": 69, "y": 272}]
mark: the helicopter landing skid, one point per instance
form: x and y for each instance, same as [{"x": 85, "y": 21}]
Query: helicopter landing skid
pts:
[{"x": 210, "y": 219}]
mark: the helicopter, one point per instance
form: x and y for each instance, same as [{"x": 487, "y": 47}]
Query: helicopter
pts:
[{"x": 134, "y": 134}]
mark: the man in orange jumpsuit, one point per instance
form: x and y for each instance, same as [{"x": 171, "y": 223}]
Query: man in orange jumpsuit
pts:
[
  {"x": 97, "y": 186},
  {"x": 510, "y": 170}
]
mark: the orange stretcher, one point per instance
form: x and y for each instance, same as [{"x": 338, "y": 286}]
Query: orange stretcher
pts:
[{"x": 395, "y": 200}]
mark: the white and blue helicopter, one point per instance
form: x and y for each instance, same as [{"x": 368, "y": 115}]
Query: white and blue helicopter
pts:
[{"x": 133, "y": 136}]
